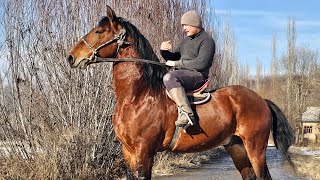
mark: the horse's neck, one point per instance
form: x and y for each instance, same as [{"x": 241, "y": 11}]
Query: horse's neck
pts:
[{"x": 127, "y": 75}]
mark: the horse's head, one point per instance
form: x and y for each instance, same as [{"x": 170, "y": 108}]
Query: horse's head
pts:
[
  {"x": 102, "y": 41},
  {"x": 107, "y": 40}
]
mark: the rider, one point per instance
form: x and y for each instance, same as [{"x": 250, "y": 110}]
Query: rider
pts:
[{"x": 193, "y": 59}]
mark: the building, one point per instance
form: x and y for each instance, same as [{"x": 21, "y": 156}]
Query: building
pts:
[{"x": 311, "y": 124}]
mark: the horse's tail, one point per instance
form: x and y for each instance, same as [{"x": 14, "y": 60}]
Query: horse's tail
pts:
[{"x": 283, "y": 133}]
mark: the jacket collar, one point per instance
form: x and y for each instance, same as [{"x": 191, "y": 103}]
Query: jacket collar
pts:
[{"x": 198, "y": 34}]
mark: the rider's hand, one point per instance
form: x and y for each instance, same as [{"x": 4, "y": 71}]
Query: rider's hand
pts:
[
  {"x": 171, "y": 63},
  {"x": 166, "y": 45}
]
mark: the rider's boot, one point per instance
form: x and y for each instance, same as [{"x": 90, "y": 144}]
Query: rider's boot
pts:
[{"x": 185, "y": 116}]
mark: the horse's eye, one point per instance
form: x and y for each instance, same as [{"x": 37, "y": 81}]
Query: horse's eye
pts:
[{"x": 99, "y": 31}]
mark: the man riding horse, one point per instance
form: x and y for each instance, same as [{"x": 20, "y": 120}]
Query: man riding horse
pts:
[
  {"x": 193, "y": 58},
  {"x": 144, "y": 117}
]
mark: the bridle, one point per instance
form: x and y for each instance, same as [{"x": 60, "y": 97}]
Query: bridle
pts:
[{"x": 119, "y": 38}]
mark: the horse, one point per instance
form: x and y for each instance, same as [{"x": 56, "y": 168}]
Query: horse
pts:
[{"x": 235, "y": 117}]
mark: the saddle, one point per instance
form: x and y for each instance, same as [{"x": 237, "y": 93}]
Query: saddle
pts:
[{"x": 198, "y": 96}]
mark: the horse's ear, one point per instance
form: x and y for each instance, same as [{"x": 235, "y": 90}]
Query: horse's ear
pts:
[{"x": 110, "y": 13}]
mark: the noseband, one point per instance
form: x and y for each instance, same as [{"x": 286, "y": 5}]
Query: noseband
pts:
[{"x": 119, "y": 38}]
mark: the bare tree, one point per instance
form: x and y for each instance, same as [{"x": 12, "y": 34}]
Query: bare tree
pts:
[
  {"x": 59, "y": 112},
  {"x": 58, "y": 118},
  {"x": 274, "y": 67},
  {"x": 228, "y": 63},
  {"x": 259, "y": 75},
  {"x": 289, "y": 62}
]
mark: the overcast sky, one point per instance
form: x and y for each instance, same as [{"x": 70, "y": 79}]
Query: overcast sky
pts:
[{"x": 255, "y": 22}]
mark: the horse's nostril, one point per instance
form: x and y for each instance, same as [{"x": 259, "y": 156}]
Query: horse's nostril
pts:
[{"x": 70, "y": 59}]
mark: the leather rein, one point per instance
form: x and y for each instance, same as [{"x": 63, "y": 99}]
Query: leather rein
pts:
[{"x": 120, "y": 40}]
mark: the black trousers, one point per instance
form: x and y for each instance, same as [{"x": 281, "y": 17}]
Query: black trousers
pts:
[{"x": 188, "y": 79}]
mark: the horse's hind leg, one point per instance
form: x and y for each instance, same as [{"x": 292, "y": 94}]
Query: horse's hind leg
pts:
[
  {"x": 240, "y": 158},
  {"x": 256, "y": 150}
]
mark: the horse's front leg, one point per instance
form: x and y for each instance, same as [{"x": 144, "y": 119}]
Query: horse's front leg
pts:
[{"x": 139, "y": 161}]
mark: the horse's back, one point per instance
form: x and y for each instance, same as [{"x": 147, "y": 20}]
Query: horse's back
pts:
[{"x": 250, "y": 111}]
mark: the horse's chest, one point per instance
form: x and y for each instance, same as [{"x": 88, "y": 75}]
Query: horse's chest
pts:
[{"x": 130, "y": 122}]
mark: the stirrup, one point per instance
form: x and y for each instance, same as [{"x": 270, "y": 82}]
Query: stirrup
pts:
[{"x": 190, "y": 122}]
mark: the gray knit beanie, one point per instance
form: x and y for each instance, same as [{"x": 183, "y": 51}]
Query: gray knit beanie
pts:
[{"x": 191, "y": 18}]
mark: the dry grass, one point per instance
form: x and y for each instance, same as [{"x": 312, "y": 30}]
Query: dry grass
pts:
[
  {"x": 68, "y": 155},
  {"x": 168, "y": 163},
  {"x": 306, "y": 163},
  {"x": 64, "y": 155}
]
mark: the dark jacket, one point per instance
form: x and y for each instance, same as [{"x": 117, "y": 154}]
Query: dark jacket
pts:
[{"x": 193, "y": 53}]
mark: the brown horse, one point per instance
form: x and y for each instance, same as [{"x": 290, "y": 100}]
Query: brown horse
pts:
[{"x": 144, "y": 117}]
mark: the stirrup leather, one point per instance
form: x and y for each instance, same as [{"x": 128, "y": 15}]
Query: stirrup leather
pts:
[{"x": 190, "y": 122}]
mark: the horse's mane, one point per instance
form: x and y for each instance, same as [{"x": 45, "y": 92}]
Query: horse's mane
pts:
[{"x": 152, "y": 73}]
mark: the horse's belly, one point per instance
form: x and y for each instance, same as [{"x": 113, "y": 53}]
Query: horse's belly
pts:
[{"x": 195, "y": 141}]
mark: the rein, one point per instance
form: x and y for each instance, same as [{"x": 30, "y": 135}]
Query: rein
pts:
[
  {"x": 100, "y": 59},
  {"x": 119, "y": 39}
]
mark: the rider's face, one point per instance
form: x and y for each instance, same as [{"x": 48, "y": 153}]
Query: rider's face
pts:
[{"x": 190, "y": 30}]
